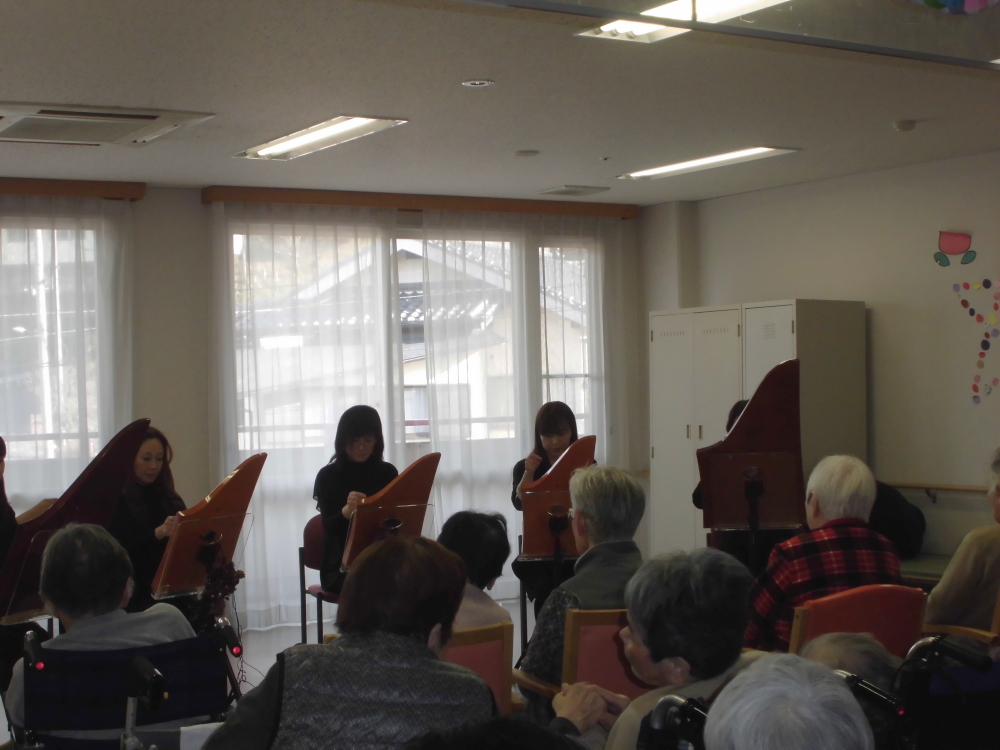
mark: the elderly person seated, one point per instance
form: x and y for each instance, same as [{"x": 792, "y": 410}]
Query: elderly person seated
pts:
[
  {"x": 686, "y": 617},
  {"x": 480, "y": 539},
  {"x": 839, "y": 552},
  {"x": 608, "y": 504},
  {"x": 860, "y": 654},
  {"x": 383, "y": 682},
  {"x": 967, "y": 593},
  {"x": 86, "y": 582},
  {"x": 784, "y": 701}
]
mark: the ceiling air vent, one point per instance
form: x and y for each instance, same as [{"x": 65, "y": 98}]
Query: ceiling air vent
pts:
[
  {"x": 89, "y": 126},
  {"x": 571, "y": 190}
]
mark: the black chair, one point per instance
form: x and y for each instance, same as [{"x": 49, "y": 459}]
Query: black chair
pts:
[{"x": 86, "y": 690}]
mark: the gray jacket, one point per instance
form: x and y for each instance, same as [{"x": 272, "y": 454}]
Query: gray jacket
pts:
[{"x": 365, "y": 690}]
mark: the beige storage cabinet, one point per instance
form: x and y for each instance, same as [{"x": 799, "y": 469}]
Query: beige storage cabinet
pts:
[{"x": 703, "y": 360}]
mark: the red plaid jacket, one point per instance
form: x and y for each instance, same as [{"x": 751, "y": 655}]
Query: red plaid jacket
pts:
[{"x": 842, "y": 554}]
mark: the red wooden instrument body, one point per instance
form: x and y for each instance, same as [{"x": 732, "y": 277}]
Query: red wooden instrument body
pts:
[
  {"x": 92, "y": 498},
  {"x": 539, "y": 497},
  {"x": 219, "y": 517},
  {"x": 764, "y": 445},
  {"x": 403, "y": 500}
]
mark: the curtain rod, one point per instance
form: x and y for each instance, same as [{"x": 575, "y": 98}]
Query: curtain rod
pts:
[
  {"x": 131, "y": 191},
  {"x": 413, "y": 202}
]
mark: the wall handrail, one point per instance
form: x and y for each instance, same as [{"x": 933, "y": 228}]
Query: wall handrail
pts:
[{"x": 938, "y": 487}]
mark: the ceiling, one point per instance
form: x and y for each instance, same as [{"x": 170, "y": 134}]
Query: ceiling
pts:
[{"x": 268, "y": 68}]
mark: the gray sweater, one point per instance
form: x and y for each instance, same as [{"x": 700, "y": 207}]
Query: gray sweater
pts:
[{"x": 364, "y": 690}]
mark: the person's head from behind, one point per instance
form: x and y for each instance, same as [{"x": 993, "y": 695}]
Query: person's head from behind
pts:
[
  {"x": 839, "y": 487},
  {"x": 480, "y": 539},
  {"x": 85, "y": 573},
  {"x": 152, "y": 462},
  {"x": 857, "y": 653},
  {"x": 555, "y": 430},
  {"x": 496, "y": 734},
  {"x": 734, "y": 413},
  {"x": 359, "y": 436},
  {"x": 994, "y": 485},
  {"x": 785, "y": 701},
  {"x": 409, "y": 587},
  {"x": 608, "y": 504},
  {"x": 687, "y": 612}
]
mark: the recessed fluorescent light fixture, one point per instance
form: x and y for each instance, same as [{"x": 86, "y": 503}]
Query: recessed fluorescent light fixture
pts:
[
  {"x": 326, "y": 134},
  {"x": 708, "y": 162},
  {"x": 705, "y": 11}
]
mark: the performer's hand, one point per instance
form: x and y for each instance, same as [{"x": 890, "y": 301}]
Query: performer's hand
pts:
[
  {"x": 616, "y": 703},
  {"x": 579, "y": 703},
  {"x": 167, "y": 528},
  {"x": 352, "y": 503},
  {"x": 531, "y": 464}
]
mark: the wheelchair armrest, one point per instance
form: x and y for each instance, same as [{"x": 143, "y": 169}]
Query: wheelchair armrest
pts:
[
  {"x": 983, "y": 636},
  {"x": 535, "y": 685}
]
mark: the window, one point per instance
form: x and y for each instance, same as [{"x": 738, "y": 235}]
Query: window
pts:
[
  {"x": 61, "y": 349},
  {"x": 564, "y": 278}
]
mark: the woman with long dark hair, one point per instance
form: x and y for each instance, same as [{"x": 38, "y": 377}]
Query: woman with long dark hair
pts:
[
  {"x": 555, "y": 431},
  {"x": 147, "y": 515},
  {"x": 356, "y": 470}
]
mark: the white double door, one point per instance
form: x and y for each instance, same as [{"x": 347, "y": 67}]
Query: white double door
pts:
[{"x": 696, "y": 376}]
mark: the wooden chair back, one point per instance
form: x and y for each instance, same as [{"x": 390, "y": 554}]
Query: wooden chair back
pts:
[
  {"x": 312, "y": 543},
  {"x": 894, "y": 616},
  {"x": 489, "y": 652},
  {"x": 593, "y": 651}
]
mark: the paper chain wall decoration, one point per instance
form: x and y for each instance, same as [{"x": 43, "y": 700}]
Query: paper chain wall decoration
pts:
[
  {"x": 988, "y": 316},
  {"x": 958, "y": 7}
]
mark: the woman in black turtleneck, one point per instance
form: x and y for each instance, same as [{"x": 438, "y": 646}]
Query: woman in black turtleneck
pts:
[
  {"x": 147, "y": 515},
  {"x": 356, "y": 470}
]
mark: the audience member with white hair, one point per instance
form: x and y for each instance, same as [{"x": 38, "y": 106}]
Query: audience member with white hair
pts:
[
  {"x": 839, "y": 552},
  {"x": 608, "y": 504},
  {"x": 784, "y": 701}
]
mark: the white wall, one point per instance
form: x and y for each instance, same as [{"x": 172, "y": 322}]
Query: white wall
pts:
[
  {"x": 170, "y": 319},
  {"x": 871, "y": 237}
]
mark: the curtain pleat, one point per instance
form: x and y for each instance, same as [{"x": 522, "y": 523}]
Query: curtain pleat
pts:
[{"x": 65, "y": 338}]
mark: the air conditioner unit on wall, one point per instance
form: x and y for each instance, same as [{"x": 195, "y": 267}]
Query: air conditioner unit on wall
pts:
[{"x": 89, "y": 126}]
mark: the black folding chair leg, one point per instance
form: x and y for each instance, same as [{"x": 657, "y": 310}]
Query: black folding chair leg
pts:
[
  {"x": 319, "y": 621},
  {"x": 302, "y": 591}
]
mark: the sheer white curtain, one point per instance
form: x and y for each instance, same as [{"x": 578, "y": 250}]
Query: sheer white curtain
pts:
[
  {"x": 303, "y": 332},
  {"x": 456, "y": 326},
  {"x": 65, "y": 337}
]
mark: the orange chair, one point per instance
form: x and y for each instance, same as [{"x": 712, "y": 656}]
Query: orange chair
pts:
[
  {"x": 489, "y": 652},
  {"x": 311, "y": 556},
  {"x": 894, "y": 615},
  {"x": 593, "y": 651},
  {"x": 983, "y": 636}
]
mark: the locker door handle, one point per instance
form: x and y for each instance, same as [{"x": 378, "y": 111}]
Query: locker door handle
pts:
[
  {"x": 689, "y": 432},
  {"x": 699, "y": 432}
]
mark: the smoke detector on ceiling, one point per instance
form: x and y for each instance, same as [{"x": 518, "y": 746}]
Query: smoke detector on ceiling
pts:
[
  {"x": 574, "y": 190},
  {"x": 89, "y": 126}
]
